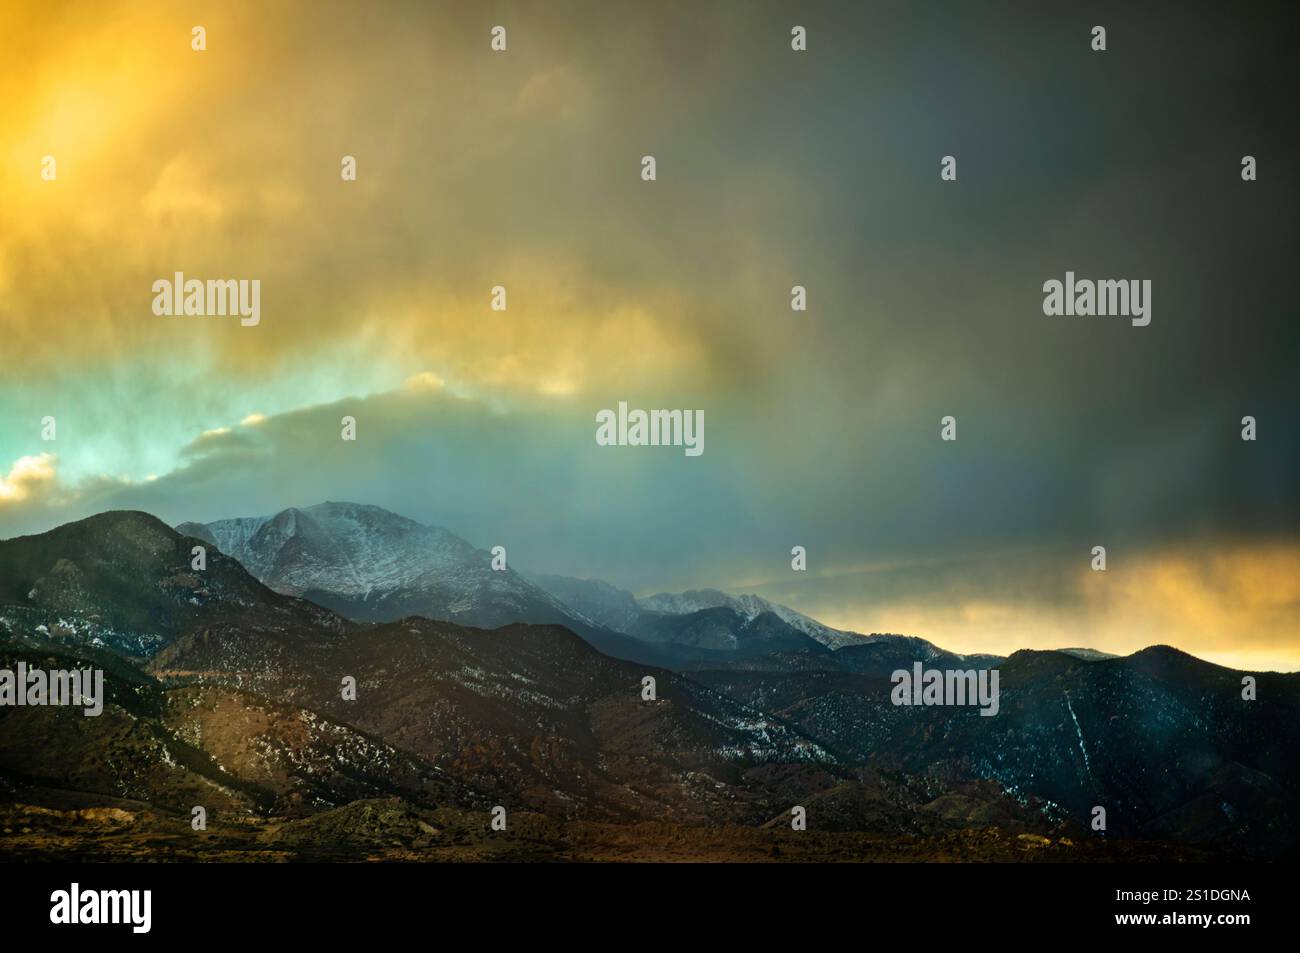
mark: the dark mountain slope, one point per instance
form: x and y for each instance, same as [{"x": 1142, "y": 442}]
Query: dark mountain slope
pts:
[
  {"x": 888, "y": 653},
  {"x": 212, "y": 746},
  {"x": 124, "y": 580},
  {"x": 1160, "y": 739},
  {"x": 528, "y": 711}
]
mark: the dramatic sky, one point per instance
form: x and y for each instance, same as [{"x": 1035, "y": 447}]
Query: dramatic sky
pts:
[{"x": 775, "y": 168}]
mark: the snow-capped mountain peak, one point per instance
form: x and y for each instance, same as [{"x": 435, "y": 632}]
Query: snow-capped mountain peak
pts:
[{"x": 371, "y": 564}]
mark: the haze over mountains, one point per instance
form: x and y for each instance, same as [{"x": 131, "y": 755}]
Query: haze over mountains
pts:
[{"x": 228, "y": 680}]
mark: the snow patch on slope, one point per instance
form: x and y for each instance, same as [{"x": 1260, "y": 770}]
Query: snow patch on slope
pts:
[{"x": 749, "y": 606}]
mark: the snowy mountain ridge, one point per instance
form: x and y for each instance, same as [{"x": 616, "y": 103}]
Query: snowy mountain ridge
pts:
[
  {"x": 750, "y": 606},
  {"x": 371, "y": 564}
]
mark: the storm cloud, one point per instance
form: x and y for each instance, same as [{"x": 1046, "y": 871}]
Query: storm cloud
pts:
[{"x": 775, "y": 169}]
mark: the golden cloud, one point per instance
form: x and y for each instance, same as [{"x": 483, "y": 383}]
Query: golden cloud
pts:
[{"x": 30, "y": 478}]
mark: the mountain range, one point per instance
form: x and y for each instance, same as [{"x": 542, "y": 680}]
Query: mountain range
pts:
[
  {"x": 372, "y": 565},
  {"x": 369, "y": 564},
  {"x": 476, "y": 686}
]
